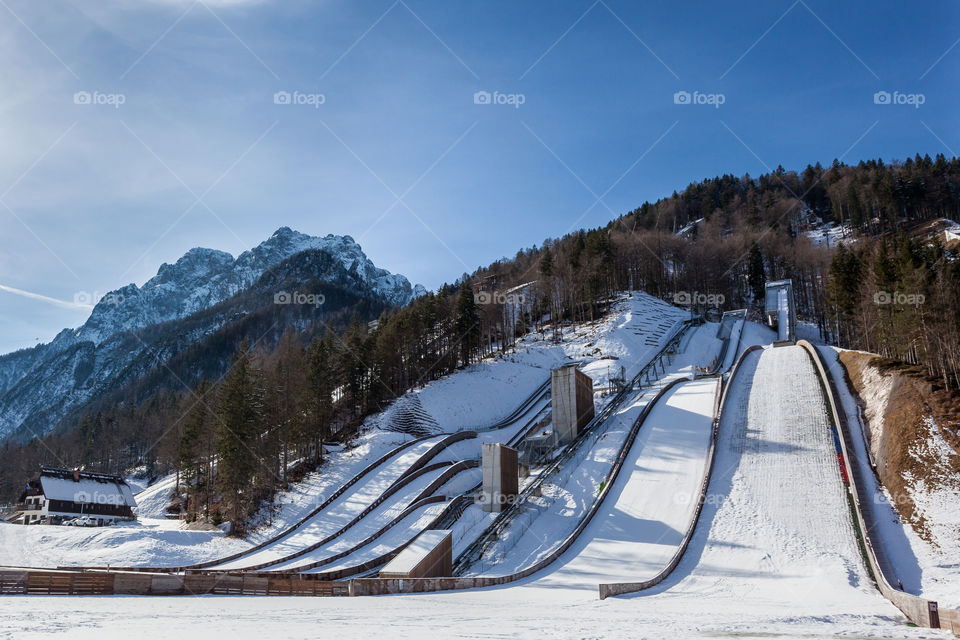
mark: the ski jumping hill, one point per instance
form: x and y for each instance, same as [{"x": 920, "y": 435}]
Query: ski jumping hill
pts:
[{"x": 703, "y": 515}]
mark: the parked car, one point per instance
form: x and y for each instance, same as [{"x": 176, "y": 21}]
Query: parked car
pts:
[{"x": 82, "y": 521}]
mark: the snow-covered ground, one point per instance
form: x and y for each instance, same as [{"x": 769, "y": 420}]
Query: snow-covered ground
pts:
[
  {"x": 477, "y": 396},
  {"x": 774, "y": 555},
  {"x": 830, "y": 235},
  {"x": 150, "y": 542},
  {"x": 152, "y": 501},
  {"x": 775, "y": 544},
  {"x": 809, "y": 332}
]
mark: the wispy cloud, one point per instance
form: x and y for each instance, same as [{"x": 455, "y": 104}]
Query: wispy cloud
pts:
[{"x": 37, "y": 296}]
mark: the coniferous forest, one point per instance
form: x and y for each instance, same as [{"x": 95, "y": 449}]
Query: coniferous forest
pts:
[{"x": 891, "y": 287}]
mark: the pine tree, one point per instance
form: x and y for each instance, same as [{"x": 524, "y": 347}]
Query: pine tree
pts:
[
  {"x": 320, "y": 396},
  {"x": 843, "y": 290},
  {"x": 467, "y": 324},
  {"x": 756, "y": 275},
  {"x": 353, "y": 368},
  {"x": 546, "y": 262},
  {"x": 854, "y": 208},
  {"x": 188, "y": 448},
  {"x": 239, "y": 423}
]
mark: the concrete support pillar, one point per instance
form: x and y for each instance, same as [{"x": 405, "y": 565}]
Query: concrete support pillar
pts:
[
  {"x": 572, "y": 400},
  {"x": 501, "y": 477}
]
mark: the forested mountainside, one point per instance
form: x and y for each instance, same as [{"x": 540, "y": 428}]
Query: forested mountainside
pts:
[
  {"x": 719, "y": 240},
  {"x": 149, "y": 331}
]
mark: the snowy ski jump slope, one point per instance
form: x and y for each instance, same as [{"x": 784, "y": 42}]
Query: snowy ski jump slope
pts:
[
  {"x": 775, "y": 534},
  {"x": 637, "y": 328},
  {"x": 646, "y": 514},
  {"x": 774, "y": 551},
  {"x": 329, "y": 532}
]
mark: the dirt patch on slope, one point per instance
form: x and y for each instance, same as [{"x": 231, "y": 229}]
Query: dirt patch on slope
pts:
[{"x": 913, "y": 431}]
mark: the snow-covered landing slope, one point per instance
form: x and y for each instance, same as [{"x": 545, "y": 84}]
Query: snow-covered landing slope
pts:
[
  {"x": 645, "y": 516},
  {"x": 570, "y": 492},
  {"x": 775, "y": 540},
  {"x": 380, "y": 517},
  {"x": 339, "y": 513}
]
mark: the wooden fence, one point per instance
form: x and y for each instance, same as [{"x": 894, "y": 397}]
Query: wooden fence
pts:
[{"x": 94, "y": 583}]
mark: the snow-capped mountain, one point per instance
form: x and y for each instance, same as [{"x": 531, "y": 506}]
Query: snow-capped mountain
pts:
[
  {"x": 136, "y": 328},
  {"x": 204, "y": 277}
]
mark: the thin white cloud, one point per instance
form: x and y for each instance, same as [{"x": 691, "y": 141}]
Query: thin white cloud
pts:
[{"x": 36, "y": 296}]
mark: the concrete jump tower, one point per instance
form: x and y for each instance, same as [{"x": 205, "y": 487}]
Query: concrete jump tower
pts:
[
  {"x": 781, "y": 312},
  {"x": 572, "y": 399}
]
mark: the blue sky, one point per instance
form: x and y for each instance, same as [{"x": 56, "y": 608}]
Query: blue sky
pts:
[{"x": 388, "y": 144}]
